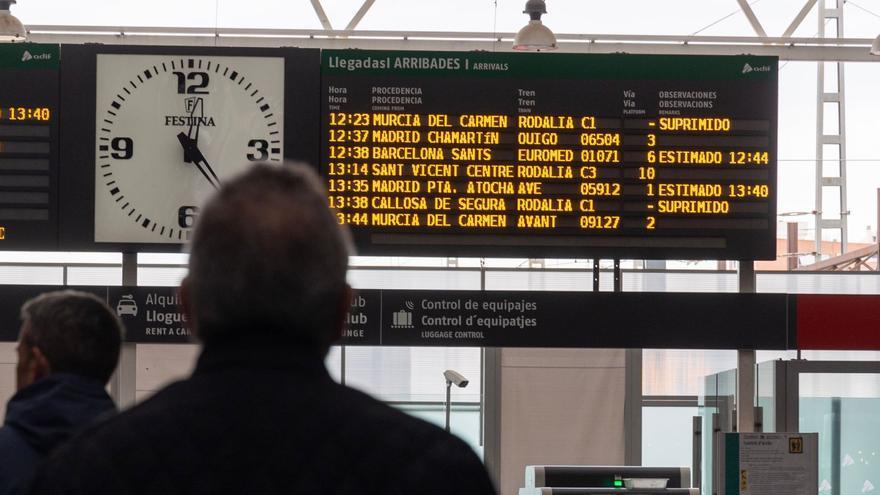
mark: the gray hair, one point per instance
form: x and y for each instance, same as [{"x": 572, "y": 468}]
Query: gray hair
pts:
[
  {"x": 268, "y": 261},
  {"x": 76, "y": 331}
]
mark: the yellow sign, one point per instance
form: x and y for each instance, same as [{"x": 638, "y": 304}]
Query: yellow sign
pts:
[
  {"x": 796, "y": 445},
  {"x": 2, "y": 233}
]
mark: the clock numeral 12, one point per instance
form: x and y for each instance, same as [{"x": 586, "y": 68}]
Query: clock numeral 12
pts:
[
  {"x": 186, "y": 216},
  {"x": 123, "y": 148},
  {"x": 192, "y": 89},
  {"x": 261, "y": 147}
]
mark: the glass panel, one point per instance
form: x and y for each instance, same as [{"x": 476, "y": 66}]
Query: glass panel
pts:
[
  {"x": 818, "y": 283},
  {"x": 59, "y": 257},
  {"x": 545, "y": 280},
  {"x": 411, "y": 378},
  {"x": 94, "y": 275},
  {"x": 841, "y": 355},
  {"x": 32, "y": 275},
  {"x": 718, "y": 399},
  {"x": 679, "y": 282},
  {"x": 765, "y": 384},
  {"x": 163, "y": 258},
  {"x": 464, "y": 420},
  {"x": 160, "y": 277},
  {"x": 408, "y": 374},
  {"x": 667, "y": 434},
  {"x": 414, "y": 279},
  {"x": 843, "y": 408},
  {"x": 680, "y": 372}
]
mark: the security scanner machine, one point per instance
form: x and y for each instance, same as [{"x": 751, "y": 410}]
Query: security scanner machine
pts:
[{"x": 584, "y": 480}]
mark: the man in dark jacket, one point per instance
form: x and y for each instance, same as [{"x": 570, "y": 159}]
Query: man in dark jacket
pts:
[
  {"x": 68, "y": 347},
  {"x": 266, "y": 294}
]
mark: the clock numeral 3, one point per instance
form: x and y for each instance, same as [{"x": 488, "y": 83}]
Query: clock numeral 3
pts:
[
  {"x": 261, "y": 147},
  {"x": 186, "y": 216},
  {"x": 123, "y": 148},
  {"x": 192, "y": 89}
]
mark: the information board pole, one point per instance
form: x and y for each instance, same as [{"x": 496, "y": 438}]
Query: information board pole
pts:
[
  {"x": 632, "y": 405},
  {"x": 745, "y": 362},
  {"x": 617, "y": 282},
  {"x": 491, "y": 395},
  {"x": 123, "y": 383}
]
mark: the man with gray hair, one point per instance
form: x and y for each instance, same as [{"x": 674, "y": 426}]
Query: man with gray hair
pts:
[
  {"x": 266, "y": 295},
  {"x": 68, "y": 347}
]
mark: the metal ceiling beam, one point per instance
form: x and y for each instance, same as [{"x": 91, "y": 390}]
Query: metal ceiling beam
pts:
[
  {"x": 799, "y": 19},
  {"x": 853, "y": 260},
  {"x": 796, "y": 49},
  {"x": 360, "y": 15},
  {"x": 322, "y": 16},
  {"x": 753, "y": 19}
]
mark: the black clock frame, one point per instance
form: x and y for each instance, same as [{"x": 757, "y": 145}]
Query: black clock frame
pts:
[{"x": 78, "y": 78}]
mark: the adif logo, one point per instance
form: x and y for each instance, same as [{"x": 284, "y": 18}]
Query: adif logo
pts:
[
  {"x": 748, "y": 68},
  {"x": 27, "y": 56}
]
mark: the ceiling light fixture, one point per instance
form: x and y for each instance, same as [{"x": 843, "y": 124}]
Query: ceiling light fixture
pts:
[
  {"x": 535, "y": 36},
  {"x": 11, "y": 29},
  {"x": 875, "y": 47}
]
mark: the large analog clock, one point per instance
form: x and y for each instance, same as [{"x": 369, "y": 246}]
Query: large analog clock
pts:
[{"x": 170, "y": 129}]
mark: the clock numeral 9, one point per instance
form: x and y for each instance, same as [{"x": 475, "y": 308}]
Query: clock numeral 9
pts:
[
  {"x": 123, "y": 148},
  {"x": 192, "y": 89},
  {"x": 261, "y": 147},
  {"x": 186, "y": 216}
]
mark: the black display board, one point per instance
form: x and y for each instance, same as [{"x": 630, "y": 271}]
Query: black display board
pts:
[
  {"x": 85, "y": 127},
  {"x": 28, "y": 146},
  {"x": 493, "y": 319},
  {"x": 424, "y": 153},
  {"x": 537, "y": 155}
]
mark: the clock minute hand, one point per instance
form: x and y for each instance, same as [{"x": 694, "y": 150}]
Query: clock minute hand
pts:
[
  {"x": 200, "y": 162},
  {"x": 194, "y": 155}
]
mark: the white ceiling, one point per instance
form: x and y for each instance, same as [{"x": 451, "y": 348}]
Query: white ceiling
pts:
[{"x": 675, "y": 17}]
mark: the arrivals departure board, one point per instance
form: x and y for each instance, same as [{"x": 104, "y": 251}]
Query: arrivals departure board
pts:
[
  {"x": 488, "y": 154},
  {"x": 28, "y": 146}
]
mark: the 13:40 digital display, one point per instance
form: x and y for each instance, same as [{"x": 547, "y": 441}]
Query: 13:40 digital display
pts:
[{"x": 17, "y": 113}]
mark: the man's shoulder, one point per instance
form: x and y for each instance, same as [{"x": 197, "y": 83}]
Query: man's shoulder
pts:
[
  {"x": 330, "y": 428},
  {"x": 17, "y": 460},
  {"x": 14, "y": 448},
  {"x": 401, "y": 440}
]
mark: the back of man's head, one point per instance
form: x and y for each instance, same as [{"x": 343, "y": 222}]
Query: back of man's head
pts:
[
  {"x": 75, "y": 331},
  {"x": 268, "y": 262}
]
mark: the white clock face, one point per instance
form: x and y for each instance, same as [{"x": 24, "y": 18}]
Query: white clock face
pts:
[{"x": 170, "y": 128}]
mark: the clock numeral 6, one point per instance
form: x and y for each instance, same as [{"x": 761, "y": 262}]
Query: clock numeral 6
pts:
[
  {"x": 261, "y": 147},
  {"x": 186, "y": 216},
  {"x": 192, "y": 89},
  {"x": 123, "y": 148}
]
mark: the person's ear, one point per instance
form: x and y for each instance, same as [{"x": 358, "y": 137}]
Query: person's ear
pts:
[
  {"x": 39, "y": 365},
  {"x": 186, "y": 306}
]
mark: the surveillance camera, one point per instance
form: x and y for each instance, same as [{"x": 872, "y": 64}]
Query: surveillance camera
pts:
[{"x": 456, "y": 378}]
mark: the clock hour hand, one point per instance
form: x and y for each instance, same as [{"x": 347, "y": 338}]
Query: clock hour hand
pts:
[
  {"x": 193, "y": 155},
  {"x": 195, "y": 121},
  {"x": 194, "y": 124}
]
